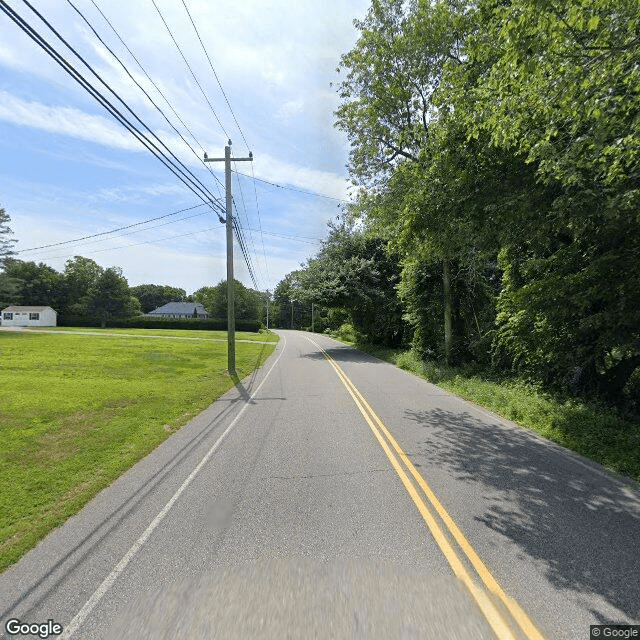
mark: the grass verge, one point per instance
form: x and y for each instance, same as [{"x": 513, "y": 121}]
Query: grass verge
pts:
[
  {"x": 594, "y": 431},
  {"x": 77, "y": 411}
]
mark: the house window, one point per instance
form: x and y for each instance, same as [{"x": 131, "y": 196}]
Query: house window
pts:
[
  {"x": 34, "y": 316},
  {"x": 8, "y": 316}
]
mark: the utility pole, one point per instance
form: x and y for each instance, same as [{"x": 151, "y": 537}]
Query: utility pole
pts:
[
  {"x": 267, "y": 311},
  {"x": 231, "y": 318},
  {"x": 312, "y": 331}
]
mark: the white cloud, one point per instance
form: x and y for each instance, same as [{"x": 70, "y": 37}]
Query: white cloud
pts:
[
  {"x": 65, "y": 121},
  {"x": 269, "y": 168},
  {"x": 291, "y": 108}
]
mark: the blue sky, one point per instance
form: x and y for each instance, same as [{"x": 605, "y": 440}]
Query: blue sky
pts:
[{"x": 69, "y": 170}]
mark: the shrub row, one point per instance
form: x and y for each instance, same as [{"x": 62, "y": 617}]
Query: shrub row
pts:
[{"x": 144, "y": 322}]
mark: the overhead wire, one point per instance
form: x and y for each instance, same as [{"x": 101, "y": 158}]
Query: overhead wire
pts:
[
  {"x": 175, "y": 166},
  {"x": 136, "y": 244},
  {"x": 129, "y": 233},
  {"x": 237, "y": 228},
  {"x": 288, "y": 188},
  {"x": 189, "y": 67},
  {"x": 243, "y": 248},
  {"x": 206, "y": 53},
  {"x": 151, "y": 100},
  {"x": 104, "y": 233},
  {"x": 235, "y": 119},
  {"x": 250, "y": 234},
  {"x": 264, "y": 253}
]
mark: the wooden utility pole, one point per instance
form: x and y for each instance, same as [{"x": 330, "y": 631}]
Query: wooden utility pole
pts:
[{"x": 231, "y": 318}]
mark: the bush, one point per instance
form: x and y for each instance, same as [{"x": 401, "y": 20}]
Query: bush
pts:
[{"x": 145, "y": 322}]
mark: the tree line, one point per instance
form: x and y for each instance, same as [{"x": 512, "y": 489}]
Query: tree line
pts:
[
  {"x": 85, "y": 292},
  {"x": 497, "y": 150}
]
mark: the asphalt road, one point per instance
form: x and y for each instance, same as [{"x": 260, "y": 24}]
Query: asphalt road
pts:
[{"x": 332, "y": 495}]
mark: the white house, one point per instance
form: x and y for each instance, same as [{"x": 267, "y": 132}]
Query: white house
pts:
[{"x": 29, "y": 317}]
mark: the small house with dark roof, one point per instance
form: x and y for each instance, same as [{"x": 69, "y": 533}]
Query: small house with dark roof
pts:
[
  {"x": 179, "y": 310},
  {"x": 15, "y": 316}
]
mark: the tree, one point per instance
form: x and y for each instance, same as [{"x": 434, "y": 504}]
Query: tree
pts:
[
  {"x": 354, "y": 272},
  {"x": 152, "y": 296},
  {"x": 556, "y": 84},
  {"x": 110, "y": 297},
  {"x": 6, "y": 243},
  {"x": 36, "y": 284},
  {"x": 390, "y": 113},
  {"x": 283, "y": 309},
  {"x": 558, "y": 81},
  {"x": 248, "y": 303},
  {"x": 80, "y": 276},
  {"x": 8, "y": 285}
]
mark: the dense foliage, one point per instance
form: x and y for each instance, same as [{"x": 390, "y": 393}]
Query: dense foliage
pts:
[
  {"x": 152, "y": 296},
  {"x": 497, "y": 147},
  {"x": 249, "y": 304}
]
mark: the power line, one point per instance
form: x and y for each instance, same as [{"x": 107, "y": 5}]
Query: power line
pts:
[
  {"x": 124, "y": 44},
  {"x": 298, "y": 238},
  {"x": 130, "y": 233},
  {"x": 244, "y": 207},
  {"x": 189, "y": 67},
  {"x": 264, "y": 254},
  {"x": 282, "y": 186},
  {"x": 216, "y": 76},
  {"x": 104, "y": 44},
  {"x": 104, "y": 233},
  {"x": 136, "y": 244},
  {"x": 175, "y": 167}
]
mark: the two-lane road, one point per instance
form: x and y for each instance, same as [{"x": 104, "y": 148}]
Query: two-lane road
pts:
[{"x": 335, "y": 496}]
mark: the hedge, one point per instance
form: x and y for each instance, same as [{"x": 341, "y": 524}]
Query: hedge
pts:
[{"x": 144, "y": 322}]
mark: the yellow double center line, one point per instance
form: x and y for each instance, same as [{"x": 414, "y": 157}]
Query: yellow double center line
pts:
[{"x": 480, "y": 593}]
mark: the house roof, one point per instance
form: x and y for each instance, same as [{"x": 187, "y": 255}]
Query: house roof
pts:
[
  {"x": 16, "y": 309},
  {"x": 183, "y": 308}
]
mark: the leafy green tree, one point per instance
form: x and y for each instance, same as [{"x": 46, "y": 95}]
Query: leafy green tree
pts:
[
  {"x": 248, "y": 303},
  {"x": 110, "y": 297},
  {"x": 8, "y": 285},
  {"x": 557, "y": 84},
  {"x": 283, "y": 310},
  {"x": 390, "y": 113},
  {"x": 354, "y": 272},
  {"x": 37, "y": 284},
  {"x": 152, "y": 296},
  {"x": 6, "y": 243},
  {"x": 80, "y": 276}
]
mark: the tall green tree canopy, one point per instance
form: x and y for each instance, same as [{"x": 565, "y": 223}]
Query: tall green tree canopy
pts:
[
  {"x": 109, "y": 297},
  {"x": 152, "y": 296},
  {"x": 8, "y": 285},
  {"x": 248, "y": 303},
  {"x": 497, "y": 142}
]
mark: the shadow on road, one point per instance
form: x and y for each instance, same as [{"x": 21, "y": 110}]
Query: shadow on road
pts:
[
  {"x": 343, "y": 354},
  {"x": 583, "y": 527}
]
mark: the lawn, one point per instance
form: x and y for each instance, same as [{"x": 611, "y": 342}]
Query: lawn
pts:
[
  {"x": 217, "y": 336},
  {"x": 77, "y": 411}
]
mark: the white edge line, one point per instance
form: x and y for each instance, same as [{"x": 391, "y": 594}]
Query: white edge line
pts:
[{"x": 80, "y": 617}]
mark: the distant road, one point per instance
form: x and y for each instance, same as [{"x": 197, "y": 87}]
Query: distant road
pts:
[{"x": 332, "y": 495}]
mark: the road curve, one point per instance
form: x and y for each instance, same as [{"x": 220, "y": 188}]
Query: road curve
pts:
[{"x": 331, "y": 495}]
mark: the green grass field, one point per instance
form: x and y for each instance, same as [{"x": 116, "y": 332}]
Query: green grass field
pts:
[{"x": 76, "y": 411}]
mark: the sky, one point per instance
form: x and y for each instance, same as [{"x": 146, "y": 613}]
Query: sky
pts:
[{"x": 69, "y": 170}]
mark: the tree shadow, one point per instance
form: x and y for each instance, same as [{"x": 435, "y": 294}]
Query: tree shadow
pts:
[
  {"x": 342, "y": 354},
  {"x": 584, "y": 528}
]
